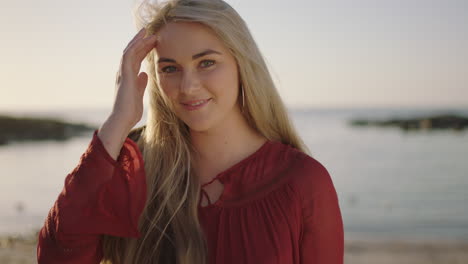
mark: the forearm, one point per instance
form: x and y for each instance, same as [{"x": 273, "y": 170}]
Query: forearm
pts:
[{"x": 112, "y": 134}]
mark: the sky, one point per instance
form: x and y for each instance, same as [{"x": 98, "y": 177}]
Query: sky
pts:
[{"x": 361, "y": 53}]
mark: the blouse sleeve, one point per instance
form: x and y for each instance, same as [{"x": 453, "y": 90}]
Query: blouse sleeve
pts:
[
  {"x": 322, "y": 237},
  {"x": 100, "y": 196}
]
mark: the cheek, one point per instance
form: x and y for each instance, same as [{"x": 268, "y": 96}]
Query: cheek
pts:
[
  {"x": 222, "y": 81},
  {"x": 169, "y": 86}
]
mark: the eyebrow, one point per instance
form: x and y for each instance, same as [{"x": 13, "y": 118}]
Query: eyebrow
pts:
[{"x": 194, "y": 57}]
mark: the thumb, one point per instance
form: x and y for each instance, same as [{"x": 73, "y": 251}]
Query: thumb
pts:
[{"x": 142, "y": 81}]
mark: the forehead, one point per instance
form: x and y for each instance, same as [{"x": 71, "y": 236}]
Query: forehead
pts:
[{"x": 181, "y": 40}]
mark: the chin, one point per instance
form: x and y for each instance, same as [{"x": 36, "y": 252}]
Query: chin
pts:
[
  {"x": 199, "y": 128},
  {"x": 198, "y": 125}
]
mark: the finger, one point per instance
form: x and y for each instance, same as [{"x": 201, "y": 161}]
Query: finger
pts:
[
  {"x": 142, "y": 81},
  {"x": 138, "y": 36},
  {"x": 140, "y": 49},
  {"x": 143, "y": 51},
  {"x": 144, "y": 44},
  {"x": 141, "y": 32},
  {"x": 138, "y": 43},
  {"x": 135, "y": 54}
]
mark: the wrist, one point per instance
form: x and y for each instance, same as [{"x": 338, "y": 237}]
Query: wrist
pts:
[
  {"x": 120, "y": 123},
  {"x": 114, "y": 128}
]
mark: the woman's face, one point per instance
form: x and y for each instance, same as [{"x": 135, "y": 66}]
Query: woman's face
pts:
[{"x": 199, "y": 75}]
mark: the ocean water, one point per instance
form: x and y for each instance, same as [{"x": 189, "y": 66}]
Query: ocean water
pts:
[{"x": 391, "y": 184}]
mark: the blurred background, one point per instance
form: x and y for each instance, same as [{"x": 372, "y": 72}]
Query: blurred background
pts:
[{"x": 402, "y": 186}]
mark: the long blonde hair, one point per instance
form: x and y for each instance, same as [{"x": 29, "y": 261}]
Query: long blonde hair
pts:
[{"x": 171, "y": 231}]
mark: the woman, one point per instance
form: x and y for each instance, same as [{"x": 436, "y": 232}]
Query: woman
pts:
[{"x": 226, "y": 179}]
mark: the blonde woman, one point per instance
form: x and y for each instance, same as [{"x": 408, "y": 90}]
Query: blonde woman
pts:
[{"x": 217, "y": 175}]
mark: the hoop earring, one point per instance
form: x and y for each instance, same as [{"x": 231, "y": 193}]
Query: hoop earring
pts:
[{"x": 242, "y": 91}]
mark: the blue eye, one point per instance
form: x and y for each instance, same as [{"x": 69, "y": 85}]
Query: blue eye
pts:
[
  {"x": 207, "y": 63},
  {"x": 169, "y": 69},
  {"x": 203, "y": 64}
]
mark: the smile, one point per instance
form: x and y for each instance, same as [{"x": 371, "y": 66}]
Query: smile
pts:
[{"x": 194, "y": 105}]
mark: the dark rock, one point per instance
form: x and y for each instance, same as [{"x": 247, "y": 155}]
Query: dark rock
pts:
[
  {"x": 448, "y": 121},
  {"x": 26, "y": 128}
]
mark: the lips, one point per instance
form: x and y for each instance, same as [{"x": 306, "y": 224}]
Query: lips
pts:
[{"x": 195, "y": 102}]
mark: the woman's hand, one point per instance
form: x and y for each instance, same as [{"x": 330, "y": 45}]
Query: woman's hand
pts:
[
  {"x": 130, "y": 88},
  {"x": 130, "y": 83}
]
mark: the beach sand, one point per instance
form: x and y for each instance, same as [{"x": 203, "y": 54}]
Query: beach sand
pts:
[
  {"x": 22, "y": 250},
  {"x": 406, "y": 252},
  {"x": 18, "y": 249}
]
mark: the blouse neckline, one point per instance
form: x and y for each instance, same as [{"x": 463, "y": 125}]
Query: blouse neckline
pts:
[
  {"x": 239, "y": 164},
  {"x": 223, "y": 175}
]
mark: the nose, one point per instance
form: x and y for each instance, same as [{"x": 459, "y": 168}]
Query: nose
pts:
[{"x": 190, "y": 82}]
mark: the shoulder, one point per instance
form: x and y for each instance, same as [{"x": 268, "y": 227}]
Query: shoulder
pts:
[
  {"x": 308, "y": 176},
  {"x": 305, "y": 174},
  {"x": 311, "y": 175},
  {"x": 313, "y": 185}
]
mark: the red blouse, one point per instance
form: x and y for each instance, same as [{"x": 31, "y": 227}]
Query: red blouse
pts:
[{"x": 278, "y": 205}]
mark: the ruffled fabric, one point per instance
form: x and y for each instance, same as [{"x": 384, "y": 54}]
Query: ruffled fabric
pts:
[
  {"x": 278, "y": 205},
  {"x": 100, "y": 196}
]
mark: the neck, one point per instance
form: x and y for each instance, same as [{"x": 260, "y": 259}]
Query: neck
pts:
[{"x": 223, "y": 146}]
